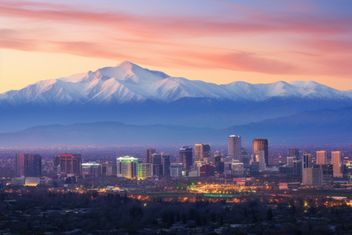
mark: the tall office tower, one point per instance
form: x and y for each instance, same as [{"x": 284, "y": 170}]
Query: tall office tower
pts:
[
  {"x": 259, "y": 157},
  {"x": 237, "y": 168},
  {"x": 261, "y": 145},
  {"x": 186, "y": 157},
  {"x": 91, "y": 169},
  {"x": 297, "y": 169},
  {"x": 293, "y": 152},
  {"x": 201, "y": 152},
  {"x": 234, "y": 147},
  {"x": 28, "y": 165},
  {"x": 219, "y": 164},
  {"x": 290, "y": 161},
  {"x": 307, "y": 160},
  {"x": 321, "y": 157},
  {"x": 127, "y": 167},
  {"x": 156, "y": 162},
  {"x": 109, "y": 168},
  {"x": 312, "y": 176},
  {"x": 150, "y": 152},
  {"x": 68, "y": 164},
  {"x": 336, "y": 161},
  {"x": 228, "y": 166},
  {"x": 165, "y": 163},
  {"x": 144, "y": 170},
  {"x": 176, "y": 170}
]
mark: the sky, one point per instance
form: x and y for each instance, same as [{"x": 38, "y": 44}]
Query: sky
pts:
[{"x": 218, "y": 41}]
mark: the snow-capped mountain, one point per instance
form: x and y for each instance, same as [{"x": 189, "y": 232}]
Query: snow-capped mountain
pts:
[{"x": 129, "y": 82}]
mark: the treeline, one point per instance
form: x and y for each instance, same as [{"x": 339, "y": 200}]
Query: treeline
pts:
[{"x": 40, "y": 212}]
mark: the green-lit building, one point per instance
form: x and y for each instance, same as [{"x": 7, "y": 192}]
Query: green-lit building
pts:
[{"x": 127, "y": 167}]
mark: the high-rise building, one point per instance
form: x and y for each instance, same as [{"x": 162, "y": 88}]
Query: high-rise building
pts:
[
  {"x": 219, "y": 164},
  {"x": 109, "y": 168},
  {"x": 290, "y": 161},
  {"x": 91, "y": 169},
  {"x": 234, "y": 147},
  {"x": 68, "y": 164},
  {"x": 259, "y": 145},
  {"x": 321, "y": 157},
  {"x": 28, "y": 165},
  {"x": 201, "y": 152},
  {"x": 165, "y": 163},
  {"x": 156, "y": 162},
  {"x": 293, "y": 155},
  {"x": 237, "y": 168},
  {"x": 176, "y": 170},
  {"x": 127, "y": 167},
  {"x": 307, "y": 160},
  {"x": 336, "y": 161},
  {"x": 293, "y": 152},
  {"x": 259, "y": 157},
  {"x": 186, "y": 158},
  {"x": 312, "y": 176},
  {"x": 145, "y": 170},
  {"x": 149, "y": 154}
]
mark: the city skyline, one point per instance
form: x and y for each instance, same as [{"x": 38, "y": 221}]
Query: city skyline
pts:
[{"x": 304, "y": 40}]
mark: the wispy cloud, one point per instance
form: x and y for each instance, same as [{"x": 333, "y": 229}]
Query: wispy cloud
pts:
[{"x": 170, "y": 39}]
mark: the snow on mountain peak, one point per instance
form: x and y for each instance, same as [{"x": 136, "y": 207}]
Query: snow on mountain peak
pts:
[{"x": 129, "y": 82}]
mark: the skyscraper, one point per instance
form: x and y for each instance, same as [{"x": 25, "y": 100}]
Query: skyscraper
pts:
[
  {"x": 186, "y": 158},
  {"x": 69, "y": 164},
  {"x": 259, "y": 158},
  {"x": 165, "y": 163},
  {"x": 307, "y": 160},
  {"x": 336, "y": 161},
  {"x": 234, "y": 147},
  {"x": 312, "y": 175},
  {"x": 28, "y": 165},
  {"x": 127, "y": 167},
  {"x": 219, "y": 164},
  {"x": 261, "y": 145},
  {"x": 144, "y": 170},
  {"x": 176, "y": 170},
  {"x": 156, "y": 162},
  {"x": 91, "y": 169},
  {"x": 201, "y": 152},
  {"x": 294, "y": 153},
  {"x": 321, "y": 157},
  {"x": 149, "y": 154}
]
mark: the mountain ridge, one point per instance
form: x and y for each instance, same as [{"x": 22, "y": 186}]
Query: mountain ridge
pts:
[
  {"x": 327, "y": 126},
  {"x": 129, "y": 82}
]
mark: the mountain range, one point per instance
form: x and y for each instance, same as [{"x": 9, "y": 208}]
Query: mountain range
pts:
[
  {"x": 128, "y": 104},
  {"x": 129, "y": 82}
]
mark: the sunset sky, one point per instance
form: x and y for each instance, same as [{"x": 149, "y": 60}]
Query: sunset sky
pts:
[{"x": 218, "y": 41}]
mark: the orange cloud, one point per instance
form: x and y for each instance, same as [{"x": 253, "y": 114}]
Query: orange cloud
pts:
[{"x": 163, "y": 39}]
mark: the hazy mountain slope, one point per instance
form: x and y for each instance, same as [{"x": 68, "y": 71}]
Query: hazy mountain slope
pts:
[{"x": 322, "y": 127}]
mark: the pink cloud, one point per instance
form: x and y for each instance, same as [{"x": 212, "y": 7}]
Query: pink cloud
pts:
[
  {"x": 171, "y": 25},
  {"x": 148, "y": 31}
]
